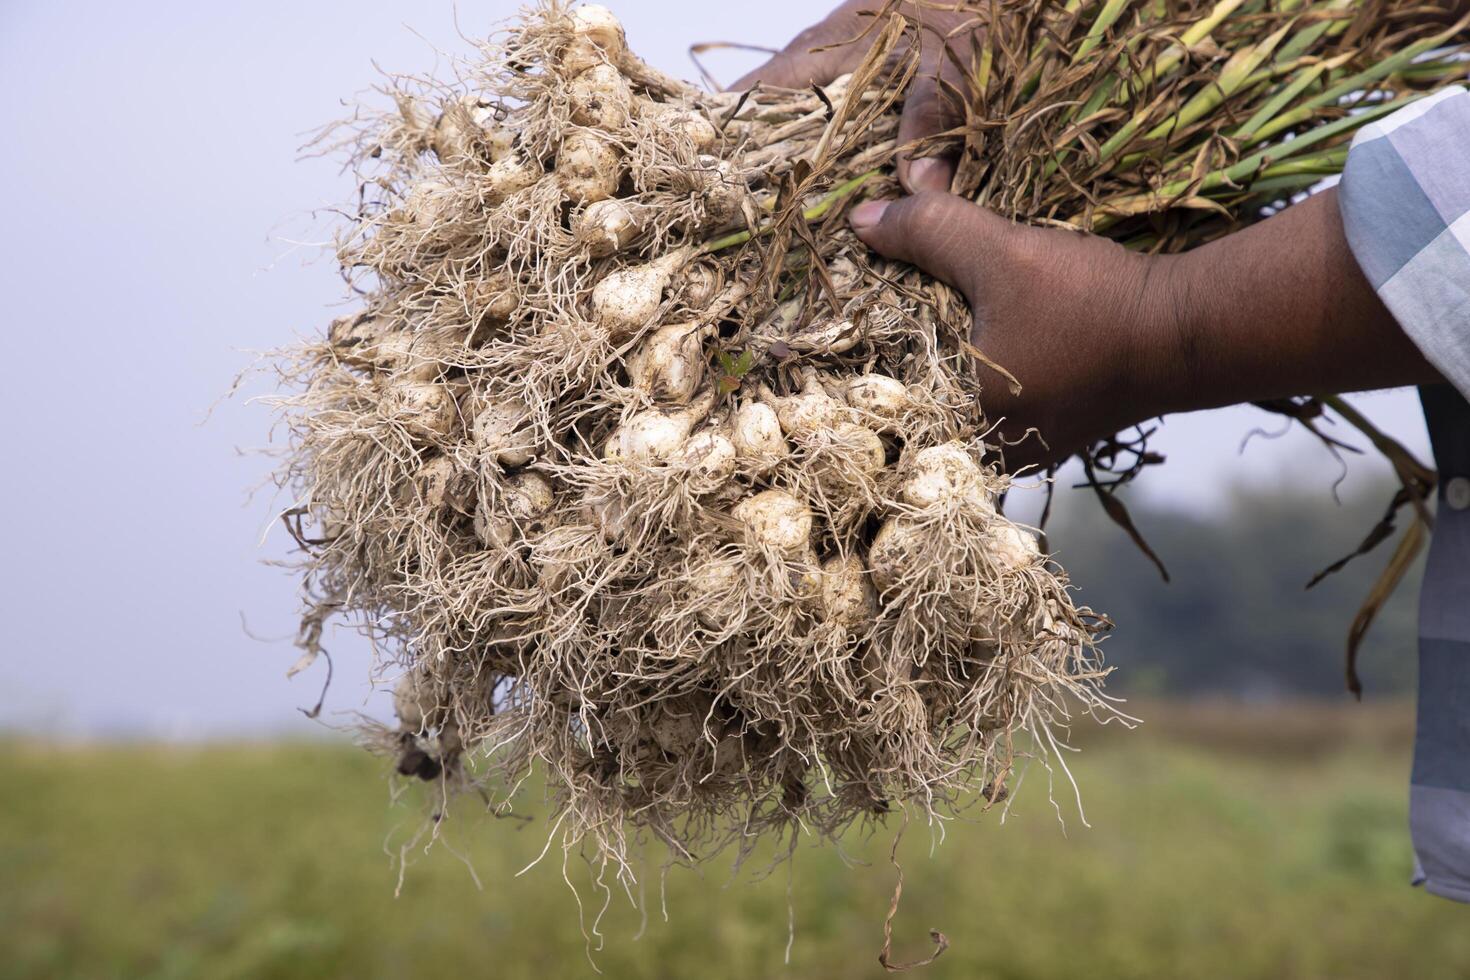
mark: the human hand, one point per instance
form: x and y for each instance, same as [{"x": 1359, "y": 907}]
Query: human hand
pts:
[
  {"x": 1081, "y": 322},
  {"x": 844, "y": 36},
  {"x": 1101, "y": 338}
]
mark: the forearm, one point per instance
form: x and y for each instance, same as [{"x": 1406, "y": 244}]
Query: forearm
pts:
[{"x": 1278, "y": 309}]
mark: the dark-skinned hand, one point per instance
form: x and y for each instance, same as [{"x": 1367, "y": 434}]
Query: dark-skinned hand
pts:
[{"x": 1098, "y": 337}]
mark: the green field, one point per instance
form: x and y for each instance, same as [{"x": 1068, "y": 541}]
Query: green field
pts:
[{"x": 1223, "y": 844}]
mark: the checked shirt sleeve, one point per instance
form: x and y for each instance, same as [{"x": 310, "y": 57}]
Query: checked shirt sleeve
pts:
[{"x": 1405, "y": 202}]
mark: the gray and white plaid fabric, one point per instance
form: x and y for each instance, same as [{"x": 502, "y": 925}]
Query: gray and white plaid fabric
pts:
[{"x": 1405, "y": 201}]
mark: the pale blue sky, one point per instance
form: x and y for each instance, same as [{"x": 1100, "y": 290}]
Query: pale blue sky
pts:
[{"x": 152, "y": 203}]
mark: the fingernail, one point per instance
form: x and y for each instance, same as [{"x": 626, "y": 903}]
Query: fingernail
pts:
[
  {"x": 929, "y": 174},
  {"x": 867, "y": 214}
]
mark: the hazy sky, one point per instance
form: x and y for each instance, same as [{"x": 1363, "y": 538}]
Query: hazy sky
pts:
[{"x": 157, "y": 227}]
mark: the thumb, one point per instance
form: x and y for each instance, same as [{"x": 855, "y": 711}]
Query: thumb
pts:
[
  {"x": 925, "y": 113},
  {"x": 944, "y": 235}
]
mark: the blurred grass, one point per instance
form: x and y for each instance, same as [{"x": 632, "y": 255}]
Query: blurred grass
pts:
[{"x": 1225, "y": 842}]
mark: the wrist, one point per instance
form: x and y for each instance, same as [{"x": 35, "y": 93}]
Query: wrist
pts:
[
  {"x": 1145, "y": 350},
  {"x": 1167, "y": 373},
  {"x": 1277, "y": 309}
]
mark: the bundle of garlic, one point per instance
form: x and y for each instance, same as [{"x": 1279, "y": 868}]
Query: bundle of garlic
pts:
[{"x": 649, "y": 478}]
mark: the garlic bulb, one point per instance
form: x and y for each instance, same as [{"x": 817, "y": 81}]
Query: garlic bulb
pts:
[
  {"x": 355, "y": 338},
  {"x": 441, "y": 484},
  {"x": 508, "y": 175},
  {"x": 426, "y": 410},
  {"x": 450, "y": 141},
  {"x": 611, "y": 518},
  {"x": 528, "y": 496},
  {"x": 722, "y": 188},
  {"x": 499, "y": 140},
  {"x": 879, "y": 396},
  {"x": 863, "y": 449},
  {"x": 552, "y": 555},
  {"x": 756, "y": 432},
  {"x": 525, "y": 497},
  {"x": 806, "y": 576},
  {"x": 848, "y": 598},
  {"x": 588, "y": 168},
  {"x": 429, "y": 203},
  {"x": 713, "y": 579},
  {"x": 1013, "y": 547},
  {"x": 416, "y": 703},
  {"x": 809, "y": 410},
  {"x": 495, "y": 297},
  {"x": 827, "y": 337},
  {"x": 608, "y": 226},
  {"x": 944, "y": 473},
  {"x": 465, "y": 125},
  {"x": 600, "y": 98},
  {"x": 699, "y": 285},
  {"x": 601, "y": 26},
  {"x": 669, "y": 365},
  {"x": 657, "y": 434},
  {"x": 895, "y": 548},
  {"x": 597, "y": 38},
  {"x": 626, "y": 300},
  {"x": 493, "y": 530},
  {"x": 710, "y": 458},
  {"x": 681, "y": 123},
  {"x": 410, "y": 356},
  {"x": 500, "y": 432},
  {"x": 777, "y": 520}
]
